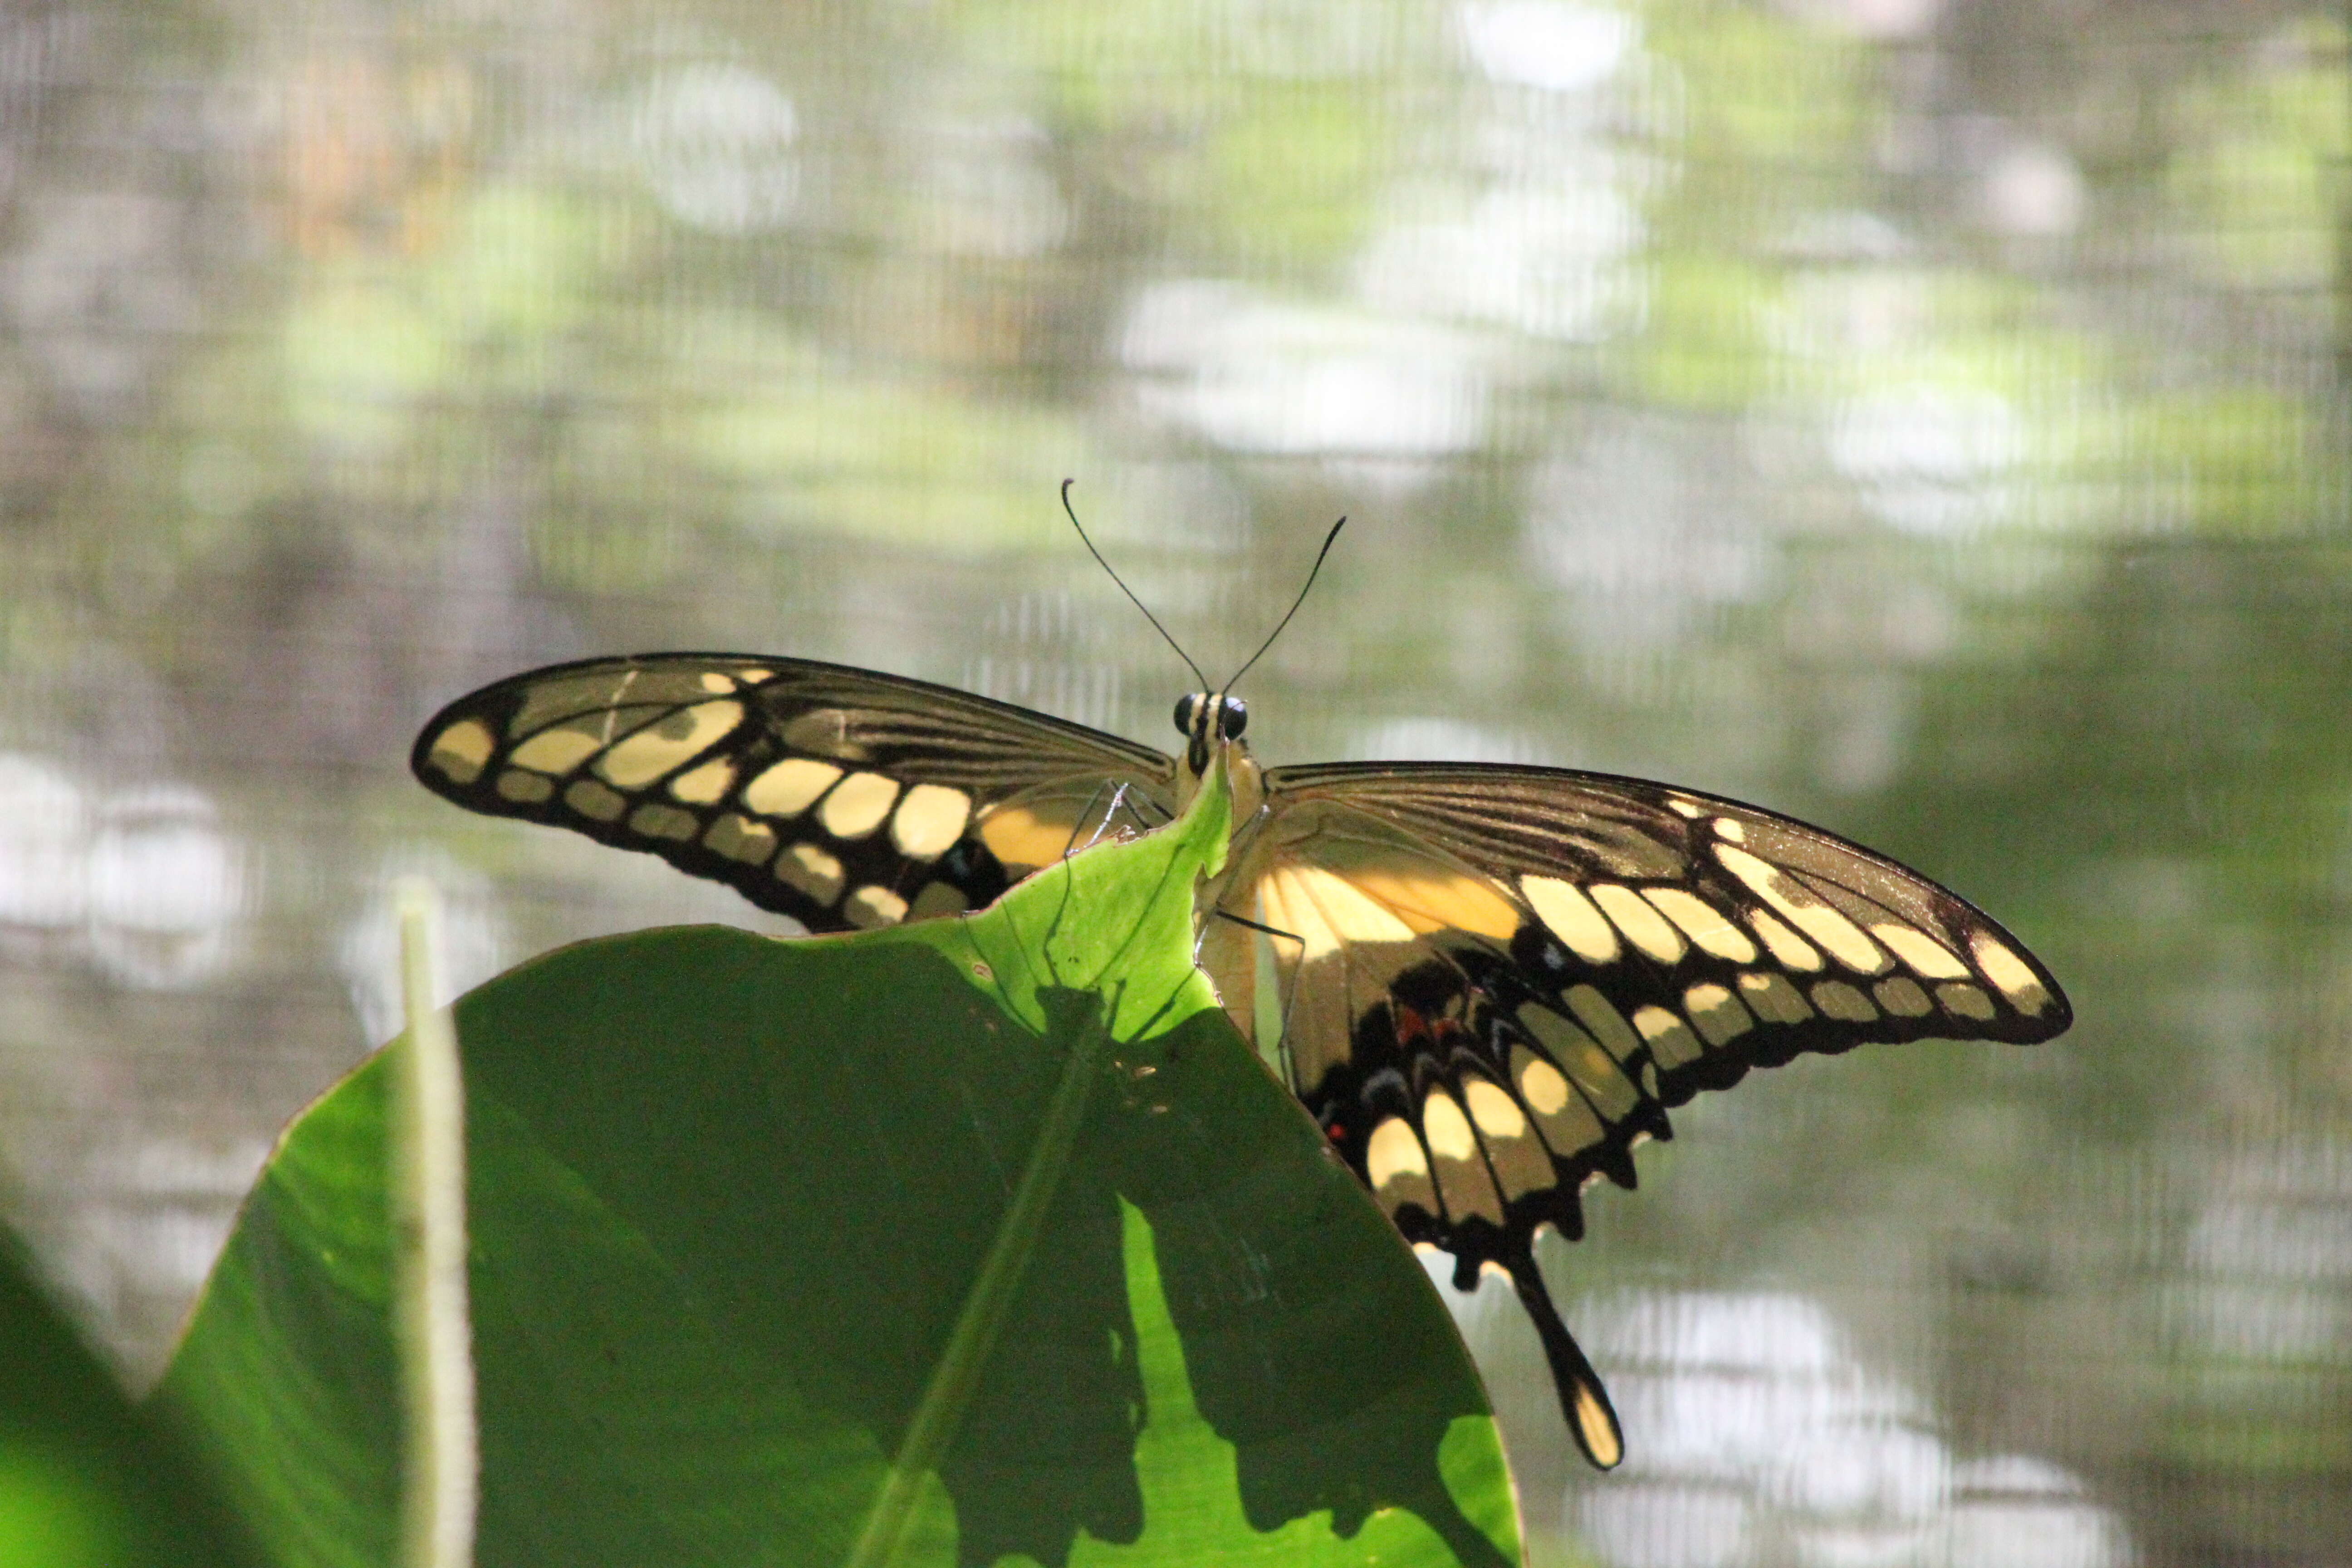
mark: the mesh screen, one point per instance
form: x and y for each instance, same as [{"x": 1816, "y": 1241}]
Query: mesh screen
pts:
[{"x": 1925, "y": 416}]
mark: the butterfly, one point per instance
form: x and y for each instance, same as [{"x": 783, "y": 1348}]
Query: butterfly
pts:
[{"x": 1486, "y": 983}]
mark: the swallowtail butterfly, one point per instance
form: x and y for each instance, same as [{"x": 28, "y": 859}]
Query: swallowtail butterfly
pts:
[{"x": 1487, "y": 983}]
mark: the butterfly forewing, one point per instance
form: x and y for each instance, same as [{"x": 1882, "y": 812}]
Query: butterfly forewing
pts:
[
  {"x": 1502, "y": 977},
  {"x": 842, "y": 798}
]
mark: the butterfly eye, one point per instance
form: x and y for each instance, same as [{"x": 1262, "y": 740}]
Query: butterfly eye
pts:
[
  {"x": 1233, "y": 717},
  {"x": 1184, "y": 707}
]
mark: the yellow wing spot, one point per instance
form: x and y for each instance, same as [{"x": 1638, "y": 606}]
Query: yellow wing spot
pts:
[
  {"x": 717, "y": 684},
  {"x": 857, "y": 805},
  {"x": 1447, "y": 1130},
  {"x": 1610, "y": 1090},
  {"x": 1788, "y": 949},
  {"x": 1441, "y": 900},
  {"x": 1965, "y": 1001},
  {"x": 656, "y": 821},
  {"x": 1497, "y": 1114},
  {"x": 1689, "y": 810},
  {"x": 2007, "y": 971},
  {"x": 872, "y": 907},
  {"x": 1927, "y": 957},
  {"x": 1571, "y": 917},
  {"x": 1718, "y": 1014},
  {"x": 741, "y": 838},
  {"x": 1397, "y": 1169},
  {"x": 1838, "y": 1000},
  {"x": 1671, "y": 1041},
  {"x": 1325, "y": 911},
  {"x": 1520, "y": 1164},
  {"x": 1902, "y": 996},
  {"x": 1462, "y": 1178},
  {"x": 812, "y": 870},
  {"x": 1840, "y": 936},
  {"x": 928, "y": 821},
  {"x": 528, "y": 789},
  {"x": 594, "y": 802},
  {"x": 1730, "y": 831},
  {"x": 753, "y": 677},
  {"x": 1773, "y": 999},
  {"x": 938, "y": 898},
  {"x": 786, "y": 789},
  {"x": 1601, "y": 1436},
  {"x": 1539, "y": 1082},
  {"x": 1608, "y": 1025},
  {"x": 1703, "y": 923},
  {"x": 641, "y": 758},
  {"x": 1644, "y": 926},
  {"x": 704, "y": 785},
  {"x": 1565, "y": 1121},
  {"x": 557, "y": 751},
  {"x": 1020, "y": 838},
  {"x": 462, "y": 749}
]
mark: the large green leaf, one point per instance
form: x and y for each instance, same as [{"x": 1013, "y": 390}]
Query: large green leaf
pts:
[{"x": 980, "y": 1239}]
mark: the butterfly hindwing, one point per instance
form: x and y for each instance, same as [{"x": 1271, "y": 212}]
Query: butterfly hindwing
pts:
[{"x": 842, "y": 798}]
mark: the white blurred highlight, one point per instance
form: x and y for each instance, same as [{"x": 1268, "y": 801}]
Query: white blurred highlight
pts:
[
  {"x": 716, "y": 142},
  {"x": 2034, "y": 189},
  {"x": 1540, "y": 44},
  {"x": 144, "y": 883},
  {"x": 1756, "y": 1437},
  {"x": 1259, "y": 376},
  {"x": 1538, "y": 259},
  {"x": 1932, "y": 460}
]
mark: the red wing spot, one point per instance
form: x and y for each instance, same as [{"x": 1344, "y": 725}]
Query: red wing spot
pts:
[
  {"x": 1336, "y": 1133},
  {"x": 1411, "y": 1026}
]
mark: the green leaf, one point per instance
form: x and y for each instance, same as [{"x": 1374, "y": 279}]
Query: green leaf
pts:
[
  {"x": 85, "y": 1482},
  {"x": 979, "y": 1240}
]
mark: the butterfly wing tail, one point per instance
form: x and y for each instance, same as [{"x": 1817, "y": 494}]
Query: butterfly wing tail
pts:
[{"x": 1582, "y": 1399}]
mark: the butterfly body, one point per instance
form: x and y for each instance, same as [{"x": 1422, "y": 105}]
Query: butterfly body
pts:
[{"x": 1487, "y": 984}]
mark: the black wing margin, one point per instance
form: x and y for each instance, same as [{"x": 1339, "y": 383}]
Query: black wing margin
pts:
[{"x": 842, "y": 798}]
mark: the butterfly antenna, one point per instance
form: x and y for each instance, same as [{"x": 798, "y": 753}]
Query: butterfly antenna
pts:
[
  {"x": 1329, "y": 540},
  {"x": 1123, "y": 588}
]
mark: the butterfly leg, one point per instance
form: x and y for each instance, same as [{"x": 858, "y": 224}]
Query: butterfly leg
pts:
[
  {"x": 1590, "y": 1417},
  {"x": 1280, "y": 1059},
  {"x": 1239, "y": 921},
  {"x": 1231, "y": 918},
  {"x": 1123, "y": 798},
  {"x": 1118, "y": 795}
]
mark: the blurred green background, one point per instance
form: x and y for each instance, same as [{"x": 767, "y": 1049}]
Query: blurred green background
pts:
[{"x": 1928, "y": 418}]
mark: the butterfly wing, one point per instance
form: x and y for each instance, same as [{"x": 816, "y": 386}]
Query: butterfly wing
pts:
[
  {"x": 1495, "y": 981},
  {"x": 839, "y": 797}
]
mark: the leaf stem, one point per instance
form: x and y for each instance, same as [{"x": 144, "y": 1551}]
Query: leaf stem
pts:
[
  {"x": 440, "y": 1481},
  {"x": 948, "y": 1395}
]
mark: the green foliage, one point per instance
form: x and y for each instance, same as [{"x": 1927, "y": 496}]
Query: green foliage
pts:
[
  {"x": 85, "y": 1482},
  {"x": 981, "y": 1239}
]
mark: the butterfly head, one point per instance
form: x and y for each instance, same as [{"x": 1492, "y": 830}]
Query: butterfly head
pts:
[{"x": 1208, "y": 721}]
